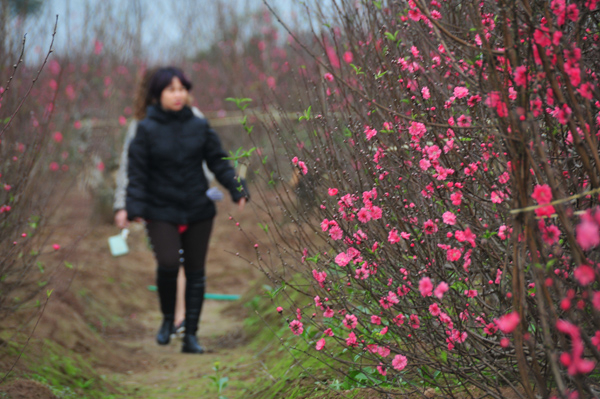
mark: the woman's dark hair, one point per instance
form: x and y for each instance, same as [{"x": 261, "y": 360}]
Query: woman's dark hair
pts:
[
  {"x": 151, "y": 84},
  {"x": 161, "y": 79}
]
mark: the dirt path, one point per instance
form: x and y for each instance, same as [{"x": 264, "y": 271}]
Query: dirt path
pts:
[{"x": 111, "y": 296}]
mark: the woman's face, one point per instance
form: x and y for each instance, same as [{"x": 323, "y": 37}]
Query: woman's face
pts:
[{"x": 174, "y": 96}]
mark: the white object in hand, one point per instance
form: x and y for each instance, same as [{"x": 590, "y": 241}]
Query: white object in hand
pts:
[{"x": 118, "y": 244}]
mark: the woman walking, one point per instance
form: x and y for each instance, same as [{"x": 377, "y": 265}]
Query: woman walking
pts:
[
  {"x": 167, "y": 188},
  {"x": 120, "y": 213}
]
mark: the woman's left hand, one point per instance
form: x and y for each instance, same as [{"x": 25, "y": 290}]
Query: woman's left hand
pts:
[{"x": 242, "y": 204}]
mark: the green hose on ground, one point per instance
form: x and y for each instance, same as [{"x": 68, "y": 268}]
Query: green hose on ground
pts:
[{"x": 217, "y": 297}]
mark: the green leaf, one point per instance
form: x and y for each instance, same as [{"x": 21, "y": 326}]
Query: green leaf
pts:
[
  {"x": 357, "y": 70},
  {"x": 313, "y": 259},
  {"x": 335, "y": 384},
  {"x": 264, "y": 227},
  {"x": 223, "y": 382},
  {"x": 68, "y": 265},
  {"x": 444, "y": 356},
  {"x": 241, "y": 103},
  {"x": 380, "y": 74},
  {"x": 276, "y": 292},
  {"x": 49, "y": 292},
  {"x": 306, "y": 115}
]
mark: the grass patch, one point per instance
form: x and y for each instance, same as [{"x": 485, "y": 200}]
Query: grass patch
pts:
[{"x": 67, "y": 374}]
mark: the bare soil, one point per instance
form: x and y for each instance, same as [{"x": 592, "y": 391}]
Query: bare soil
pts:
[{"x": 103, "y": 309}]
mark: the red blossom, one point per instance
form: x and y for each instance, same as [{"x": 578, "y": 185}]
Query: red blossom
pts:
[
  {"x": 425, "y": 286},
  {"x": 466, "y": 235},
  {"x": 429, "y": 227},
  {"x": 585, "y": 90},
  {"x": 508, "y": 322},
  {"x": 542, "y": 194},
  {"x": 393, "y": 236},
  {"x": 370, "y": 132},
  {"x": 456, "y": 198},
  {"x": 320, "y": 344},
  {"x": 350, "y": 321},
  {"x": 461, "y": 92},
  {"x": 572, "y": 12},
  {"x": 473, "y": 100},
  {"x": 585, "y": 275},
  {"x": 588, "y": 234},
  {"x": 440, "y": 290},
  {"x": 562, "y": 114},
  {"x": 520, "y": 75},
  {"x": 542, "y": 38},
  {"x": 351, "y": 340},
  {"x": 348, "y": 57},
  {"x": 399, "y": 362},
  {"x": 296, "y": 327},
  {"x": 449, "y": 218},
  {"x": 342, "y": 259},
  {"x": 453, "y": 254},
  {"x": 414, "y": 321}
]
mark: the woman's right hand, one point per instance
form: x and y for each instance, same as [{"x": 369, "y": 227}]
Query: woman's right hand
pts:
[{"x": 121, "y": 219}]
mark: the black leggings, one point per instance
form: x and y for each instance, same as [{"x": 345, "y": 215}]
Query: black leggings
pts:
[{"x": 167, "y": 242}]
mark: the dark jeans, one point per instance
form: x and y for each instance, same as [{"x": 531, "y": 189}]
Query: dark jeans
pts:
[{"x": 167, "y": 242}]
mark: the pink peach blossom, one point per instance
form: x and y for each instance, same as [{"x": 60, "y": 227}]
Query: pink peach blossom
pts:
[{"x": 508, "y": 322}]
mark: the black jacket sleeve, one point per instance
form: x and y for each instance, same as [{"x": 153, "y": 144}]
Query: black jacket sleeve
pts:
[
  {"x": 137, "y": 172},
  {"x": 224, "y": 172}
]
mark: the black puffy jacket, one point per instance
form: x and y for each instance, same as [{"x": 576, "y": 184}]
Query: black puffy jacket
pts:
[{"x": 166, "y": 179}]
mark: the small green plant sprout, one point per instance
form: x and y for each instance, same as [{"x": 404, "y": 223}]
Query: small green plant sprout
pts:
[
  {"x": 248, "y": 128},
  {"x": 239, "y": 154},
  {"x": 241, "y": 103},
  {"x": 306, "y": 115},
  {"x": 218, "y": 381},
  {"x": 264, "y": 227},
  {"x": 357, "y": 70}
]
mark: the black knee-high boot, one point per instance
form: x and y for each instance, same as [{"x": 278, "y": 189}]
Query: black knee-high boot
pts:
[
  {"x": 194, "y": 297},
  {"x": 166, "y": 282}
]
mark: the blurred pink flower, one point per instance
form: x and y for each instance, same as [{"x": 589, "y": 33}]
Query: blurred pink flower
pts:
[
  {"x": 440, "y": 290},
  {"x": 588, "y": 234},
  {"x": 296, "y": 327},
  {"x": 585, "y": 275},
  {"x": 320, "y": 344},
  {"x": 449, "y": 218},
  {"x": 399, "y": 362},
  {"x": 508, "y": 322},
  {"x": 461, "y": 92},
  {"x": 342, "y": 259},
  {"x": 425, "y": 286},
  {"x": 98, "y": 46}
]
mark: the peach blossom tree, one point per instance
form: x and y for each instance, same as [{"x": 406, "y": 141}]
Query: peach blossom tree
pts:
[{"x": 450, "y": 235}]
